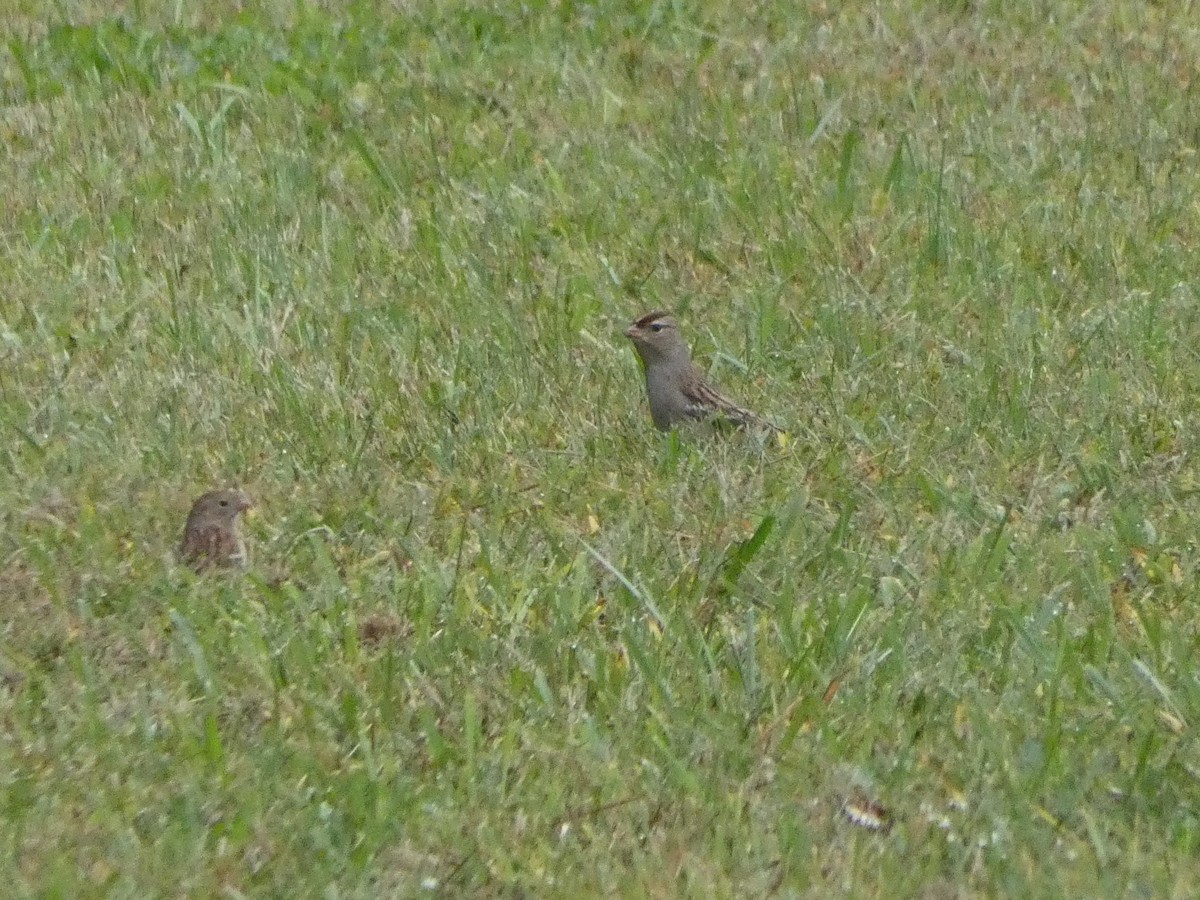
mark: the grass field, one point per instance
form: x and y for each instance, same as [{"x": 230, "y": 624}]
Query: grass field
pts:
[{"x": 373, "y": 262}]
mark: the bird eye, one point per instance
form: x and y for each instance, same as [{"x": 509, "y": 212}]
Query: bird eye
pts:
[
  {"x": 223, "y": 502},
  {"x": 657, "y": 326}
]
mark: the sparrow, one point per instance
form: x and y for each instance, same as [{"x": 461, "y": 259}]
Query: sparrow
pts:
[
  {"x": 677, "y": 389},
  {"x": 211, "y": 538}
]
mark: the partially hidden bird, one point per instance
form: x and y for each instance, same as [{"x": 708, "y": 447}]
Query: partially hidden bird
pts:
[
  {"x": 678, "y": 391},
  {"x": 212, "y": 537}
]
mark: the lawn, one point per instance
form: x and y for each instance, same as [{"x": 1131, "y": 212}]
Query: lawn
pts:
[{"x": 500, "y": 637}]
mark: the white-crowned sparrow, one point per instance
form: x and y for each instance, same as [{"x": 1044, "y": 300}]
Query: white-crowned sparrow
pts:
[
  {"x": 678, "y": 391},
  {"x": 212, "y": 538}
]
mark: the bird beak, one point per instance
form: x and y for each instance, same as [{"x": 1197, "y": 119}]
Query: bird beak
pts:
[{"x": 631, "y": 331}]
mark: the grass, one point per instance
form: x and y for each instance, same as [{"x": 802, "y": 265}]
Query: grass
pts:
[{"x": 503, "y": 638}]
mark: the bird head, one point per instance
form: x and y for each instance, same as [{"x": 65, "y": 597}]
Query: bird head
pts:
[
  {"x": 220, "y": 506},
  {"x": 657, "y": 339}
]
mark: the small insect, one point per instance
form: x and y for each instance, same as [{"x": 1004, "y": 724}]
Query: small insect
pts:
[{"x": 868, "y": 814}]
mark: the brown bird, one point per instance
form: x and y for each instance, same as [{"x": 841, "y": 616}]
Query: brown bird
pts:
[
  {"x": 212, "y": 538},
  {"x": 678, "y": 391}
]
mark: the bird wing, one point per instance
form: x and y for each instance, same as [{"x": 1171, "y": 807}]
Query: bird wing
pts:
[{"x": 705, "y": 401}]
